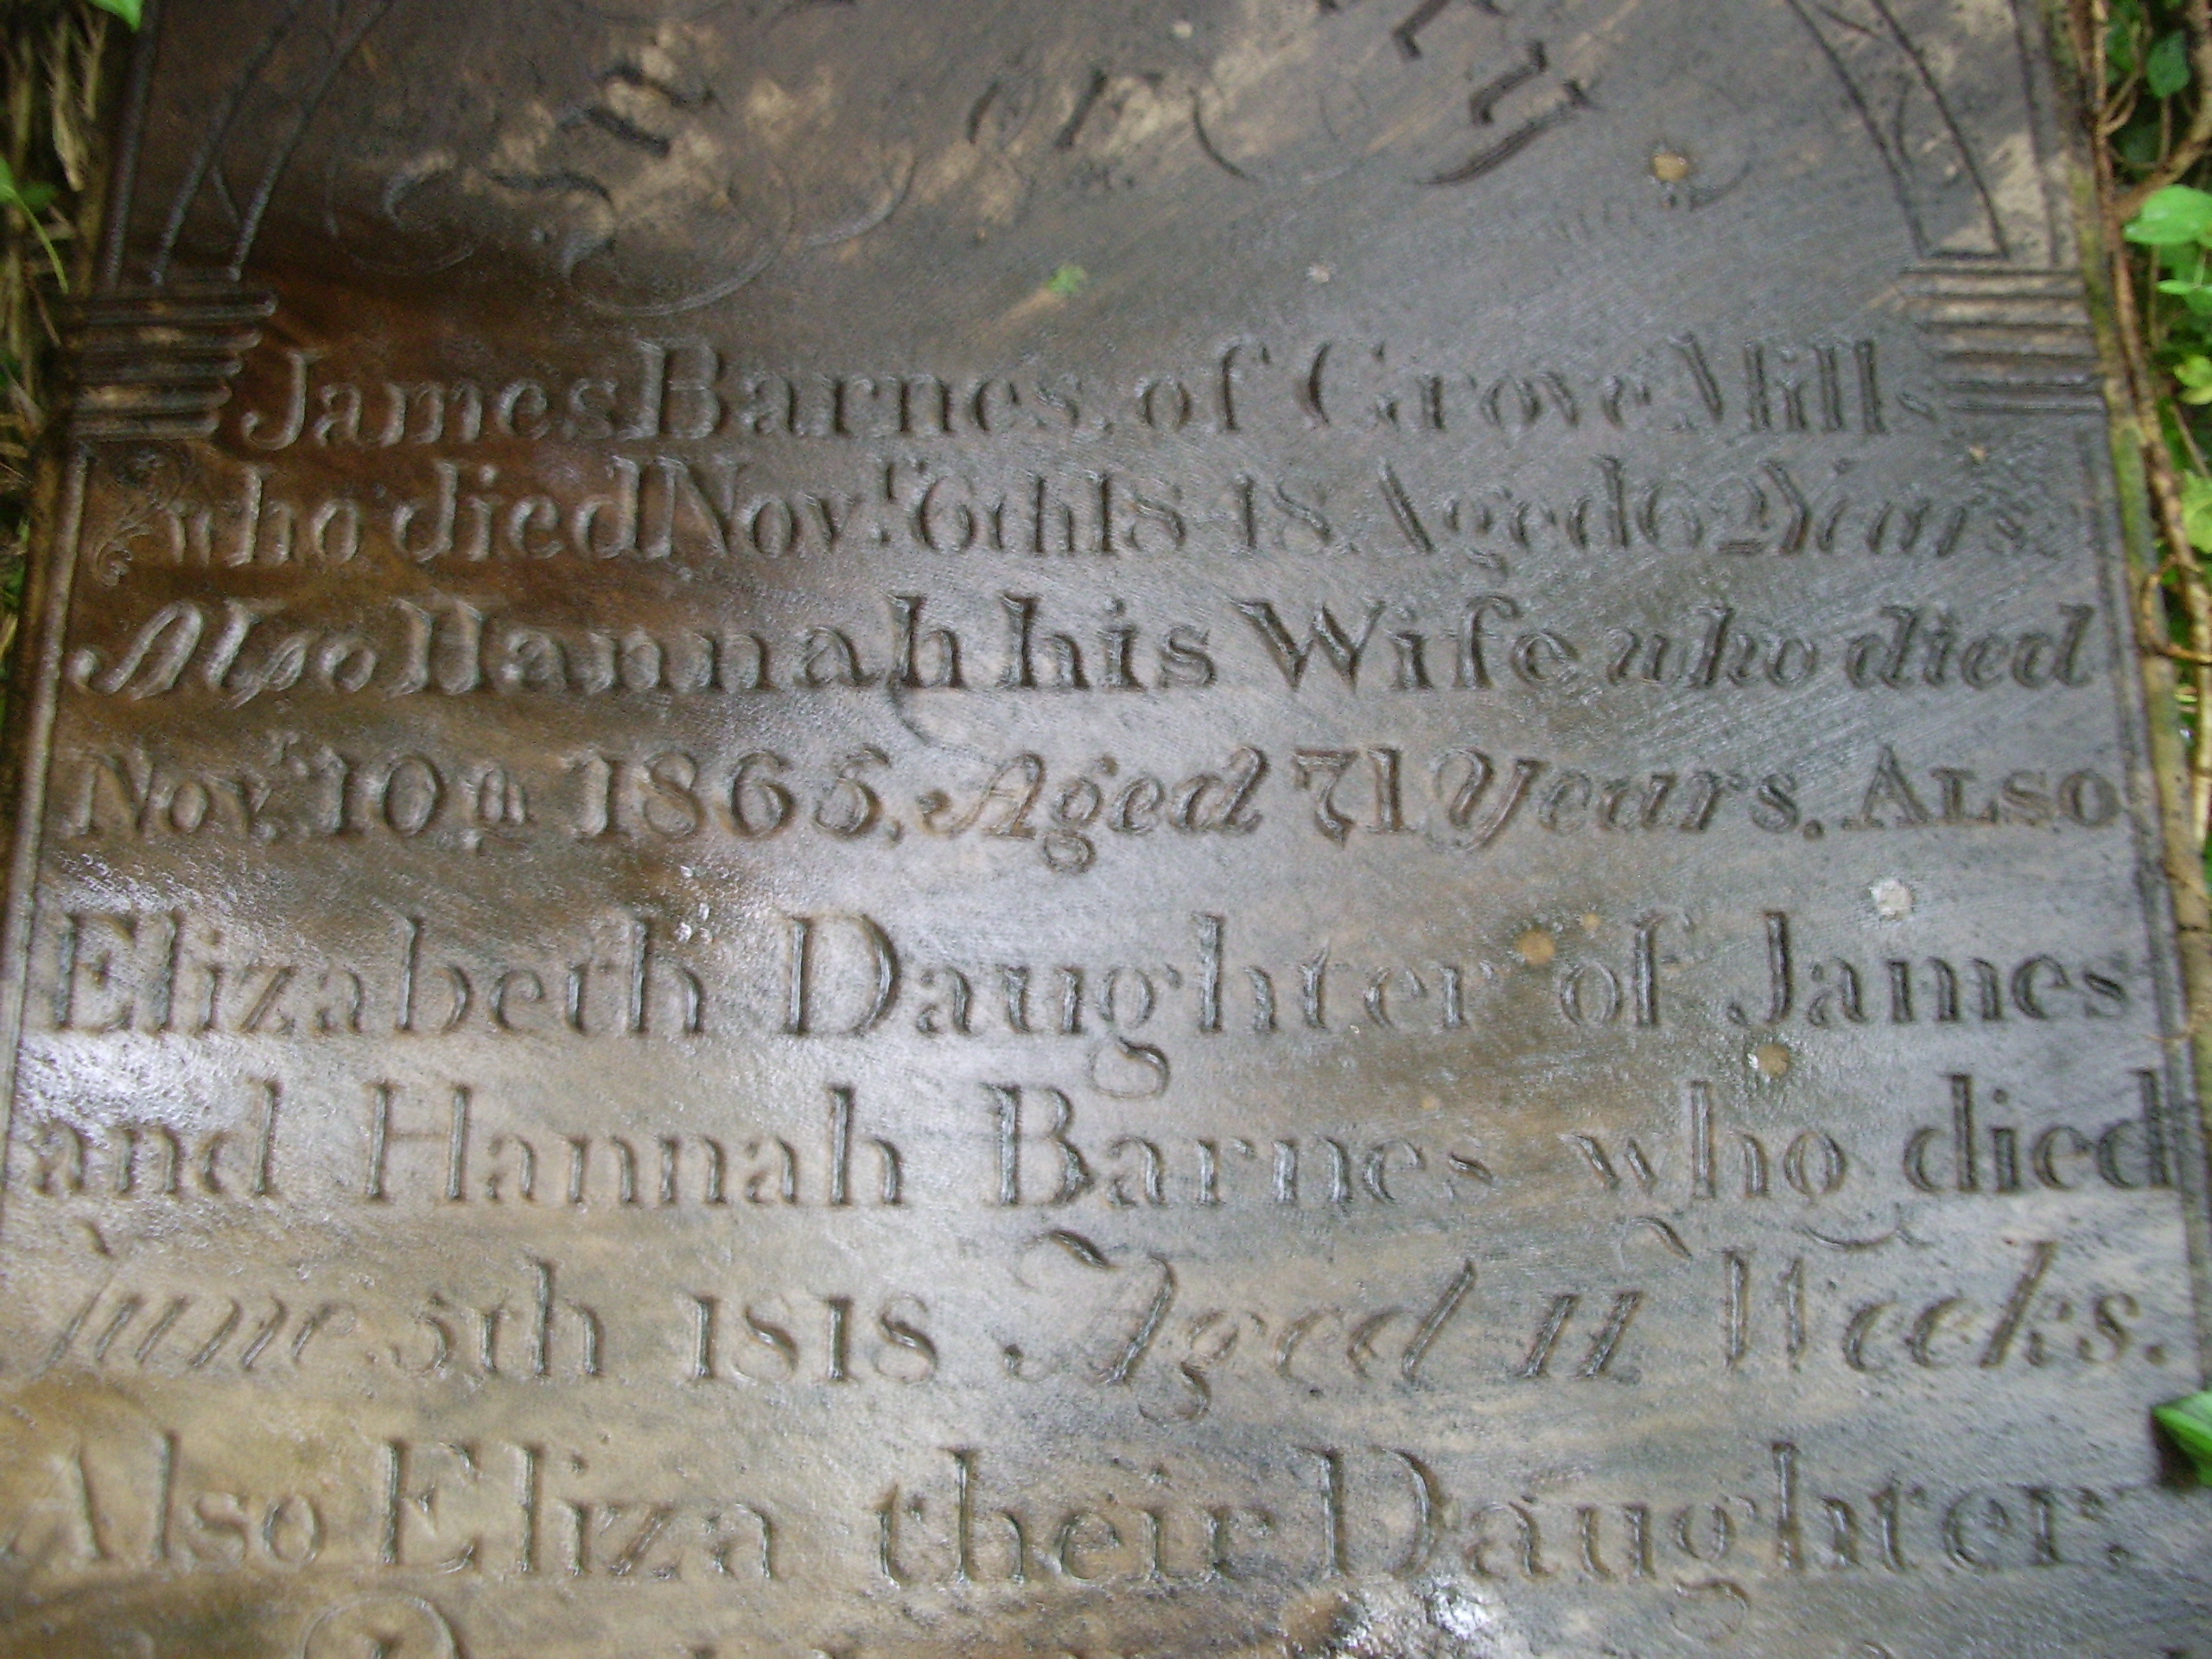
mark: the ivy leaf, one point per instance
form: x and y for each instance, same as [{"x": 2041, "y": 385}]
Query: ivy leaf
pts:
[
  {"x": 2193, "y": 295},
  {"x": 2139, "y": 144},
  {"x": 2189, "y": 1422},
  {"x": 27, "y": 200},
  {"x": 2193, "y": 292},
  {"x": 2195, "y": 374},
  {"x": 128, "y": 10},
  {"x": 2196, "y": 524},
  {"x": 2120, "y": 52},
  {"x": 2120, "y": 38},
  {"x": 2165, "y": 70},
  {"x": 2173, "y": 217}
]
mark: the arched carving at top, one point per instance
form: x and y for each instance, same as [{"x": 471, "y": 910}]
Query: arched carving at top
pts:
[
  {"x": 226, "y": 191},
  {"x": 1893, "y": 85}
]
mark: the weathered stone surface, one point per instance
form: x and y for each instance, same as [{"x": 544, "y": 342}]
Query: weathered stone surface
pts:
[{"x": 1251, "y": 827}]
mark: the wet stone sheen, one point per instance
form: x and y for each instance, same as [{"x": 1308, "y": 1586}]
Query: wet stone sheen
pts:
[{"x": 1266, "y": 827}]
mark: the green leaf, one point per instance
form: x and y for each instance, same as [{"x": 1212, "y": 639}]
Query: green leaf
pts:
[
  {"x": 1070, "y": 280},
  {"x": 2165, "y": 69},
  {"x": 2196, "y": 524},
  {"x": 2189, "y": 1422},
  {"x": 2173, "y": 217},
  {"x": 128, "y": 10},
  {"x": 2193, "y": 291},
  {"x": 28, "y": 199},
  {"x": 2120, "y": 39},
  {"x": 31, "y": 198},
  {"x": 2139, "y": 145},
  {"x": 2184, "y": 259}
]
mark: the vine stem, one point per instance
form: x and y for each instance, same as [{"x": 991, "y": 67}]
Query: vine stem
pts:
[
  {"x": 2142, "y": 393},
  {"x": 2198, "y": 136}
]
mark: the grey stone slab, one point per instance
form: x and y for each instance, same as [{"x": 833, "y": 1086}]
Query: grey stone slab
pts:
[{"x": 1274, "y": 827}]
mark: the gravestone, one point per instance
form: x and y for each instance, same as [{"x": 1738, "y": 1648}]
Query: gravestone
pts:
[{"x": 1273, "y": 827}]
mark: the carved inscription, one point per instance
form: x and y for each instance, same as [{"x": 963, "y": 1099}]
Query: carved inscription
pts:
[{"x": 1298, "y": 827}]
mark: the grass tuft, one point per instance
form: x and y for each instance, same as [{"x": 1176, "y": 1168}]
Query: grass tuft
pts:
[{"x": 56, "y": 63}]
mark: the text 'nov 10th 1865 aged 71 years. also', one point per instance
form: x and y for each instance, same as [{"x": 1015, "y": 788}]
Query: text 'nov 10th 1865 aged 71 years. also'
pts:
[{"x": 1274, "y": 828}]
